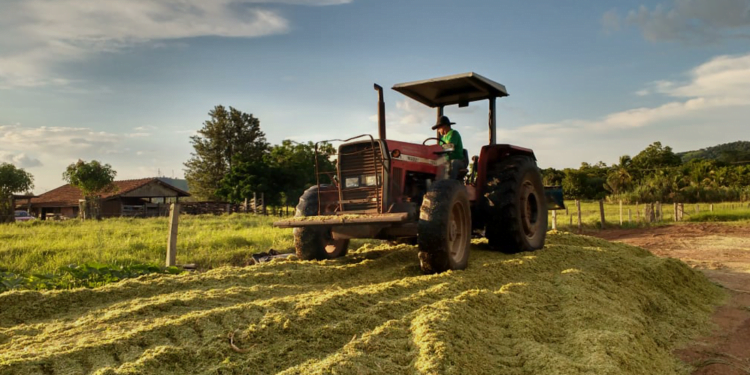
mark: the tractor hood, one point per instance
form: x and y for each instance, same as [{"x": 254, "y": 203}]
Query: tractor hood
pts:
[{"x": 456, "y": 89}]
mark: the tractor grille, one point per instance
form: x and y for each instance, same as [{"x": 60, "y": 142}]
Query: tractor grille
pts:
[{"x": 358, "y": 161}]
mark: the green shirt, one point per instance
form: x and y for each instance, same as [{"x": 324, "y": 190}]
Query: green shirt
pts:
[{"x": 454, "y": 138}]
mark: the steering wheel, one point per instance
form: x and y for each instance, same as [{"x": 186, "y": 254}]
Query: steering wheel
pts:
[{"x": 439, "y": 141}]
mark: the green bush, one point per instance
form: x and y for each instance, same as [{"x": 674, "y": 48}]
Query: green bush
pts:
[
  {"x": 87, "y": 275},
  {"x": 722, "y": 215}
]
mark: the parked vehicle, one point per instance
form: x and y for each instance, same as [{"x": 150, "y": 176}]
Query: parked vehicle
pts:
[{"x": 24, "y": 216}]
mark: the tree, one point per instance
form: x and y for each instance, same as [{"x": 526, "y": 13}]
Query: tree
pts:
[
  {"x": 12, "y": 180},
  {"x": 654, "y": 157},
  {"x": 248, "y": 177},
  {"x": 552, "y": 177},
  {"x": 574, "y": 184},
  {"x": 92, "y": 179},
  {"x": 282, "y": 175},
  {"x": 618, "y": 177},
  {"x": 226, "y": 139},
  {"x": 296, "y": 162}
]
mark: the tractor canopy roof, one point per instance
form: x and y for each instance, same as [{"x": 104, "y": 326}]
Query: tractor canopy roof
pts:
[{"x": 456, "y": 89}]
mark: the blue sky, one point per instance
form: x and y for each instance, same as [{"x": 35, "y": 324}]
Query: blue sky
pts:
[{"x": 126, "y": 82}]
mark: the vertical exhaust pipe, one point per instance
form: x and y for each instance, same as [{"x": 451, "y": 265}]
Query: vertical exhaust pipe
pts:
[{"x": 381, "y": 112}]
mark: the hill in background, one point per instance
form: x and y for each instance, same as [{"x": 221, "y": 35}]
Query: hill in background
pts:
[{"x": 727, "y": 152}]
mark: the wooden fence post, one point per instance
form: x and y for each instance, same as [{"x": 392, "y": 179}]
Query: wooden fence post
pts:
[
  {"x": 578, "y": 207},
  {"x": 621, "y": 212},
  {"x": 174, "y": 218},
  {"x": 675, "y": 212},
  {"x": 711, "y": 207},
  {"x": 255, "y": 203},
  {"x": 554, "y": 220},
  {"x": 697, "y": 208},
  {"x": 637, "y": 214},
  {"x": 571, "y": 220},
  {"x": 601, "y": 212},
  {"x": 658, "y": 212},
  {"x": 263, "y": 204},
  {"x": 652, "y": 214},
  {"x": 630, "y": 216}
]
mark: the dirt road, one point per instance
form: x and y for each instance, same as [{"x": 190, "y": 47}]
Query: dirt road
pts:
[{"x": 722, "y": 252}]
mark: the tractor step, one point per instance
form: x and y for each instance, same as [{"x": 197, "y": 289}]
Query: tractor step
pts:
[{"x": 339, "y": 220}]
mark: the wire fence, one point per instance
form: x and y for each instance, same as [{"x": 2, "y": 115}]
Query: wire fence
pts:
[
  {"x": 158, "y": 210},
  {"x": 602, "y": 215},
  {"x": 212, "y": 240}
]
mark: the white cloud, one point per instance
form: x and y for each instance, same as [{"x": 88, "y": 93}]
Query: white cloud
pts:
[
  {"x": 37, "y": 35},
  {"x": 724, "y": 77},
  {"x": 611, "y": 21},
  {"x": 21, "y": 160},
  {"x": 54, "y": 148},
  {"x": 690, "y": 21},
  {"x": 138, "y": 135},
  {"x": 64, "y": 141},
  {"x": 410, "y": 113},
  {"x": 711, "y": 106},
  {"x": 409, "y": 121}
]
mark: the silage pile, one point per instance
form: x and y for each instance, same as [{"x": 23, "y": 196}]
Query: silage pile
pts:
[{"x": 581, "y": 305}]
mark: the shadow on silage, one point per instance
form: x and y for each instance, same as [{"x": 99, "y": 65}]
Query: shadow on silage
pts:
[{"x": 556, "y": 310}]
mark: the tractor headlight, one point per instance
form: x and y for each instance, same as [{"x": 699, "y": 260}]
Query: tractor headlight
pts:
[
  {"x": 371, "y": 180},
  {"x": 351, "y": 182}
]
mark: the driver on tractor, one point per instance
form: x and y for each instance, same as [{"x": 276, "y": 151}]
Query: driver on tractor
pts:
[{"x": 451, "y": 139}]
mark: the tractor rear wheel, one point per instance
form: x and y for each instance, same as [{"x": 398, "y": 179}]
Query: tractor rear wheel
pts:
[
  {"x": 516, "y": 208},
  {"x": 315, "y": 243},
  {"x": 444, "y": 229}
]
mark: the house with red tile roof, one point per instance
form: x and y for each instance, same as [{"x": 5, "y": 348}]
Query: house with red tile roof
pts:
[{"x": 142, "y": 197}]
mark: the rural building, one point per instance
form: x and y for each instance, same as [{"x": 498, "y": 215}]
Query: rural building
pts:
[
  {"x": 143, "y": 197},
  {"x": 22, "y": 202}
]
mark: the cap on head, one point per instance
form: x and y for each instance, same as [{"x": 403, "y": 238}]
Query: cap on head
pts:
[{"x": 443, "y": 121}]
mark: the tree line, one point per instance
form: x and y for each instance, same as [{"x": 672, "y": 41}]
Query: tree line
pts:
[
  {"x": 232, "y": 160},
  {"x": 657, "y": 174}
]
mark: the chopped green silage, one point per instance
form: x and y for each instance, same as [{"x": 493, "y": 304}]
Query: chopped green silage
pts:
[{"x": 579, "y": 306}]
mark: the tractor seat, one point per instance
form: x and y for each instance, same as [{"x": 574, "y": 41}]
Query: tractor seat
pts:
[{"x": 465, "y": 170}]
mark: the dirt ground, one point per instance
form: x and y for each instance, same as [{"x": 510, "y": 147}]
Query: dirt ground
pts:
[{"x": 721, "y": 252}]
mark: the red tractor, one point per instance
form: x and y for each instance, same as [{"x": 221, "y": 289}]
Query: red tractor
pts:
[{"x": 399, "y": 191}]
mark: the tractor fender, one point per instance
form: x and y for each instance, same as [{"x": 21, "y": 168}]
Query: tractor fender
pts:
[{"x": 490, "y": 156}]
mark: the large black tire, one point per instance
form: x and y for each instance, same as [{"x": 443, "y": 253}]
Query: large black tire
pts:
[
  {"x": 516, "y": 209},
  {"x": 444, "y": 229},
  {"x": 315, "y": 243}
]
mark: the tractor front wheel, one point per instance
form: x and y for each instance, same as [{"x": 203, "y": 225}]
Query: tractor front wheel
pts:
[
  {"x": 315, "y": 243},
  {"x": 516, "y": 208},
  {"x": 444, "y": 229}
]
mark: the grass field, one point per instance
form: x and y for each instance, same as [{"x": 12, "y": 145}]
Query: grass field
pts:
[
  {"x": 208, "y": 241},
  {"x": 212, "y": 241}
]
